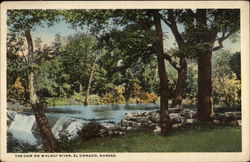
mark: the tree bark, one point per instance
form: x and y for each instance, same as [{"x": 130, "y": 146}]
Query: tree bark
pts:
[
  {"x": 181, "y": 81},
  {"x": 86, "y": 102},
  {"x": 164, "y": 112},
  {"x": 49, "y": 140},
  {"x": 32, "y": 92},
  {"x": 205, "y": 101}
]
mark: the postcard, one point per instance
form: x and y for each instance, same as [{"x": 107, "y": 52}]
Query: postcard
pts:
[{"x": 125, "y": 81}]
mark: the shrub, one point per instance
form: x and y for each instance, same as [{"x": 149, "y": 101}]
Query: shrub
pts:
[
  {"x": 148, "y": 98},
  {"x": 90, "y": 130}
]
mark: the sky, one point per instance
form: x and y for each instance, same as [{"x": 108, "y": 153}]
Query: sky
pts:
[{"x": 48, "y": 34}]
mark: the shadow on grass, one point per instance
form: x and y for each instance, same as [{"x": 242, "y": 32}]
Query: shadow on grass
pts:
[{"x": 198, "y": 138}]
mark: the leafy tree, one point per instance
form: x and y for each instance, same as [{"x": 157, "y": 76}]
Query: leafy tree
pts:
[
  {"x": 135, "y": 20},
  {"x": 16, "y": 67},
  {"x": 23, "y": 22},
  {"x": 204, "y": 27},
  {"x": 165, "y": 121},
  {"x": 170, "y": 18},
  {"x": 227, "y": 88}
]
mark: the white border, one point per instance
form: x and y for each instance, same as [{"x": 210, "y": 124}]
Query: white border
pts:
[{"x": 146, "y": 157}]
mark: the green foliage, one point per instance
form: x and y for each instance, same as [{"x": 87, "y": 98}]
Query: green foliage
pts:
[
  {"x": 227, "y": 88},
  {"x": 191, "y": 88},
  {"x": 197, "y": 140},
  {"x": 124, "y": 42},
  {"x": 16, "y": 67},
  {"x": 20, "y": 20},
  {"x": 89, "y": 130},
  {"x": 64, "y": 141},
  {"x": 235, "y": 64}
]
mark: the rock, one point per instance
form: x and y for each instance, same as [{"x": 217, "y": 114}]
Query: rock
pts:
[
  {"x": 157, "y": 129},
  {"x": 110, "y": 125},
  {"x": 129, "y": 128},
  {"x": 128, "y": 116},
  {"x": 10, "y": 117},
  {"x": 155, "y": 117},
  {"x": 216, "y": 122},
  {"x": 135, "y": 124},
  {"x": 218, "y": 116},
  {"x": 175, "y": 110},
  {"x": 234, "y": 123},
  {"x": 141, "y": 119},
  {"x": 126, "y": 122},
  {"x": 175, "y": 118},
  {"x": 190, "y": 121},
  {"x": 234, "y": 115},
  {"x": 176, "y": 125},
  {"x": 15, "y": 105},
  {"x": 188, "y": 114},
  {"x": 239, "y": 123}
]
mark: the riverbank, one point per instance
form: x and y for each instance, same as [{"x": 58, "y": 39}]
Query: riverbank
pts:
[{"x": 196, "y": 139}]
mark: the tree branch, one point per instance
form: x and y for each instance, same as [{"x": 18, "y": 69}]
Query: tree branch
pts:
[
  {"x": 221, "y": 39},
  {"x": 171, "y": 22},
  {"x": 25, "y": 59},
  {"x": 174, "y": 64}
]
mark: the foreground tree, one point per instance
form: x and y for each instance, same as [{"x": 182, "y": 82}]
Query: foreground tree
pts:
[
  {"x": 165, "y": 121},
  {"x": 170, "y": 18},
  {"x": 203, "y": 28},
  {"x": 22, "y": 22}
]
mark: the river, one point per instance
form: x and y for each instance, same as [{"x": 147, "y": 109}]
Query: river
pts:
[{"x": 23, "y": 130}]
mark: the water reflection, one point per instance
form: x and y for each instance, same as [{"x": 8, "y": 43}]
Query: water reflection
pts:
[{"x": 99, "y": 112}]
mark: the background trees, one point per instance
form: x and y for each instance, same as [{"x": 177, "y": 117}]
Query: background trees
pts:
[
  {"x": 227, "y": 86},
  {"x": 119, "y": 57}
]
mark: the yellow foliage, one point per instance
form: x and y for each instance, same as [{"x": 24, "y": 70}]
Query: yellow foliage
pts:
[
  {"x": 18, "y": 87},
  {"x": 110, "y": 98},
  {"x": 148, "y": 98},
  {"x": 136, "y": 89},
  {"x": 229, "y": 89}
]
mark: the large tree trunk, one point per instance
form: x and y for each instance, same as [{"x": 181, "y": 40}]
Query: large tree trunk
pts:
[
  {"x": 164, "y": 112},
  {"x": 49, "y": 140},
  {"x": 205, "y": 101},
  {"x": 181, "y": 81},
  {"x": 86, "y": 102}
]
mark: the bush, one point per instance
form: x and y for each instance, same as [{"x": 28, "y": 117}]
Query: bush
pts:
[
  {"x": 90, "y": 130},
  {"x": 148, "y": 98},
  {"x": 94, "y": 100}
]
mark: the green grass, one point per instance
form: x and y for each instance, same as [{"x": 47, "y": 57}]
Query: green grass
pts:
[{"x": 224, "y": 139}]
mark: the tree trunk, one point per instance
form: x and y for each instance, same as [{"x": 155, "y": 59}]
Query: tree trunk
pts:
[
  {"x": 205, "y": 102},
  {"x": 164, "y": 112},
  {"x": 32, "y": 92},
  {"x": 49, "y": 140},
  {"x": 86, "y": 102},
  {"x": 181, "y": 81}
]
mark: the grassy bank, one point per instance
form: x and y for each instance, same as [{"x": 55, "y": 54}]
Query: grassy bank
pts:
[{"x": 222, "y": 139}]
